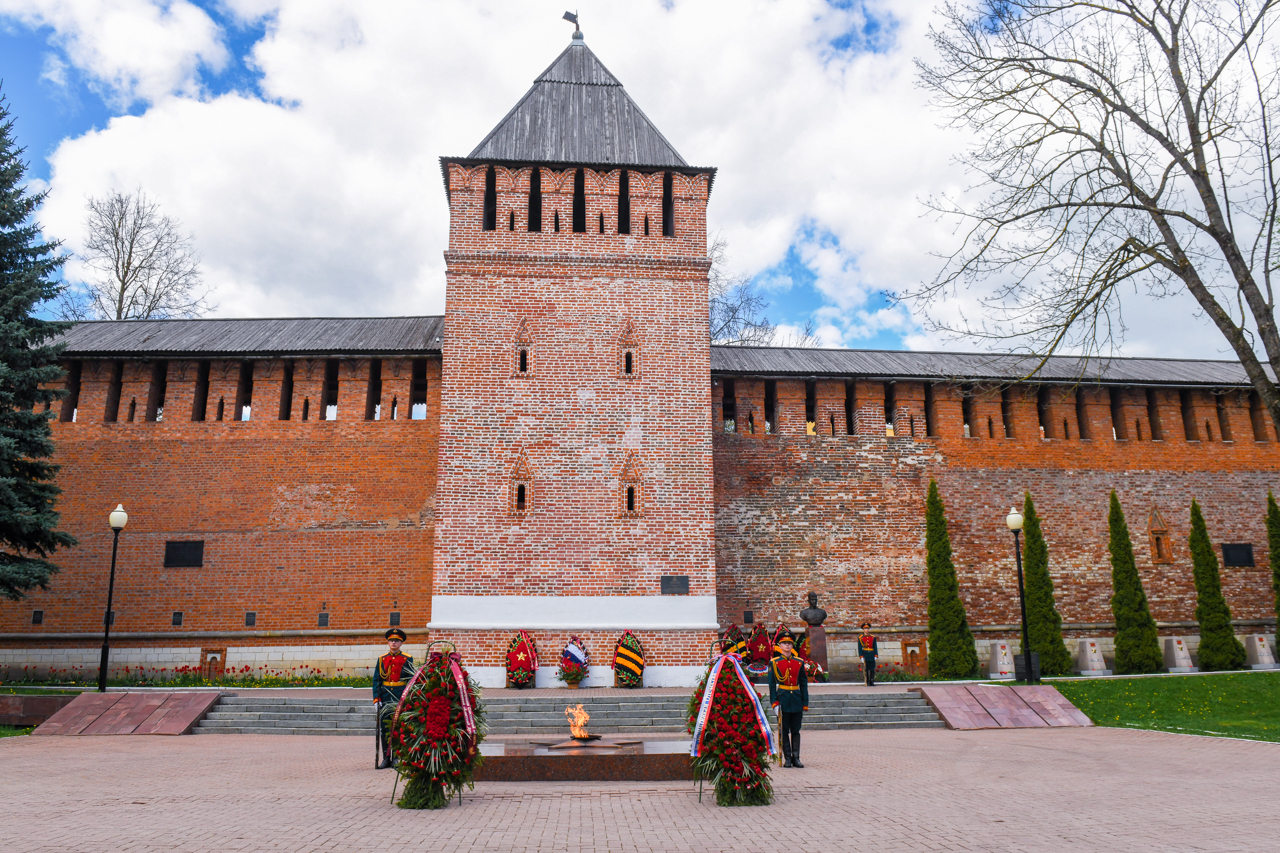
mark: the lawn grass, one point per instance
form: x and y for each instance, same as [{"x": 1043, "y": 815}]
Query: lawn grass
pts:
[
  {"x": 13, "y": 731},
  {"x": 1240, "y": 705}
]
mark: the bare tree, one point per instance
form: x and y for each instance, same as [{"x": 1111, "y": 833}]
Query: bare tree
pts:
[
  {"x": 1127, "y": 145},
  {"x": 737, "y": 308},
  {"x": 147, "y": 268}
]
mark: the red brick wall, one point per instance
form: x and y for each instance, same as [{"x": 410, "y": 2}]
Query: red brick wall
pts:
[
  {"x": 843, "y": 516},
  {"x": 573, "y": 417},
  {"x": 296, "y": 517}
]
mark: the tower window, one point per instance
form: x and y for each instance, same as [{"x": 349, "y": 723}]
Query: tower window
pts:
[
  {"x": 418, "y": 390},
  {"x": 627, "y": 365},
  {"x": 535, "y": 200},
  {"x": 728, "y": 408},
  {"x": 222, "y": 403},
  {"x": 244, "y": 392},
  {"x": 490, "y": 216},
  {"x": 668, "y": 207},
  {"x": 1043, "y": 412},
  {"x": 966, "y": 411},
  {"x": 930, "y": 411},
  {"x": 890, "y": 410},
  {"x": 329, "y": 392},
  {"x": 631, "y": 498},
  {"x": 579, "y": 202},
  {"x": 624, "y": 203},
  {"x": 522, "y": 497},
  {"x": 133, "y": 408},
  {"x": 156, "y": 393},
  {"x": 201, "y": 403},
  {"x": 373, "y": 397},
  {"x": 286, "y": 392},
  {"x": 523, "y": 366},
  {"x": 306, "y": 408}
]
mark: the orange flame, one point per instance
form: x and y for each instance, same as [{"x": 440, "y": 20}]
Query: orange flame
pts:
[{"x": 577, "y": 721}]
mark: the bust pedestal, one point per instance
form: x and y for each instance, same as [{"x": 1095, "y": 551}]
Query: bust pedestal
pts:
[{"x": 817, "y": 636}]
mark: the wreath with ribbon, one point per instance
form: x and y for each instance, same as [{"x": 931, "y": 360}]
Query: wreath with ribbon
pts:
[
  {"x": 759, "y": 646},
  {"x": 628, "y": 661},
  {"x": 436, "y": 732},
  {"x": 522, "y": 660},
  {"x": 575, "y": 662},
  {"x": 732, "y": 740},
  {"x": 733, "y": 641}
]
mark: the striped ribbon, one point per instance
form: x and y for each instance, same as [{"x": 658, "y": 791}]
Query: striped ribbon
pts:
[
  {"x": 704, "y": 710},
  {"x": 468, "y": 715}
]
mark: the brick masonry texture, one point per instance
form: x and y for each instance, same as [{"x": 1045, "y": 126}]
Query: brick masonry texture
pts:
[{"x": 356, "y": 518}]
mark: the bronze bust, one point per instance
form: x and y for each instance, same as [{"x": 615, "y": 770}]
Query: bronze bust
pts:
[{"x": 813, "y": 614}]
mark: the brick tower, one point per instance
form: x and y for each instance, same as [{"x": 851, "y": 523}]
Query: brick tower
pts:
[{"x": 575, "y": 471}]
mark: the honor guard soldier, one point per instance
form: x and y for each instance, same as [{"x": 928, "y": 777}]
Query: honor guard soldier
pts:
[
  {"x": 389, "y": 679},
  {"x": 789, "y": 693},
  {"x": 870, "y": 650}
]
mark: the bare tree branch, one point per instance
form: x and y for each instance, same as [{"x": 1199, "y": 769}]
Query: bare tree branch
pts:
[
  {"x": 1126, "y": 146},
  {"x": 147, "y": 268}
]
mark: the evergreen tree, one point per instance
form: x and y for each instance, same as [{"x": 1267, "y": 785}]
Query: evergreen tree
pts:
[
  {"x": 28, "y": 522},
  {"x": 952, "y": 653},
  {"x": 1219, "y": 648},
  {"x": 1273, "y": 547},
  {"x": 1043, "y": 622},
  {"x": 1137, "y": 648}
]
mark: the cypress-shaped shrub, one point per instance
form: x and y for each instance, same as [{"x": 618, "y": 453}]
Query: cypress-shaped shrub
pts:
[
  {"x": 1273, "y": 546},
  {"x": 951, "y": 650},
  {"x": 1219, "y": 648},
  {"x": 1044, "y": 624},
  {"x": 1137, "y": 648}
]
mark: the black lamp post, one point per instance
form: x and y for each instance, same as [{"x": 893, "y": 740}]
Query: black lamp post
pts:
[
  {"x": 1014, "y": 522},
  {"x": 117, "y": 519}
]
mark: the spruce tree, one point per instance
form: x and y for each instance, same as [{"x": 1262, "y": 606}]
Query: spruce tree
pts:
[
  {"x": 951, "y": 650},
  {"x": 1219, "y": 648},
  {"x": 1273, "y": 548},
  {"x": 1137, "y": 647},
  {"x": 28, "y": 522},
  {"x": 1043, "y": 622}
]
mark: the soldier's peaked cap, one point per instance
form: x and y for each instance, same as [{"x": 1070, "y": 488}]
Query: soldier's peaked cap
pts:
[{"x": 396, "y": 634}]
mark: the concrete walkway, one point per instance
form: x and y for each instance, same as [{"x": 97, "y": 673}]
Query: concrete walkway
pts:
[{"x": 886, "y": 791}]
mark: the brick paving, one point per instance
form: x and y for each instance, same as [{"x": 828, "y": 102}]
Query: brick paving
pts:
[{"x": 1012, "y": 790}]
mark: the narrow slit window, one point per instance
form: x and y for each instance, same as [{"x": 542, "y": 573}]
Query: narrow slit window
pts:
[
  {"x": 833, "y": 426},
  {"x": 966, "y": 411},
  {"x": 751, "y": 423},
  {"x": 1257, "y": 417},
  {"x": 668, "y": 207},
  {"x": 490, "y": 214},
  {"x": 522, "y": 497},
  {"x": 200, "y": 405},
  {"x": 244, "y": 392},
  {"x": 930, "y": 411},
  {"x": 1006, "y": 411},
  {"x": 991, "y": 428},
  {"x": 646, "y": 225},
  {"x": 627, "y": 362},
  {"x": 579, "y": 202},
  {"x": 222, "y": 403},
  {"x": 1119, "y": 428},
  {"x": 395, "y": 408},
  {"x": 286, "y": 392},
  {"x": 1153, "y": 416},
  {"x": 1208, "y": 432},
  {"x": 1043, "y": 412},
  {"x": 511, "y": 220},
  {"x": 851, "y": 408},
  {"x": 890, "y": 410},
  {"x": 1082, "y": 417},
  {"x": 1137, "y": 429},
  {"x": 601, "y": 215},
  {"x": 329, "y": 392},
  {"x": 770, "y": 408},
  {"x": 112, "y": 412},
  {"x": 624, "y": 203},
  {"x": 1224, "y": 417},
  {"x": 631, "y": 498},
  {"x": 1189, "y": 428},
  {"x": 156, "y": 392},
  {"x": 729, "y": 408},
  {"x": 373, "y": 398},
  {"x": 523, "y": 366},
  {"x": 557, "y": 222},
  {"x": 418, "y": 390},
  {"x": 535, "y": 200},
  {"x": 71, "y": 401},
  {"x": 811, "y": 407},
  {"x": 133, "y": 408},
  {"x": 306, "y": 408},
  {"x": 1066, "y": 433}
]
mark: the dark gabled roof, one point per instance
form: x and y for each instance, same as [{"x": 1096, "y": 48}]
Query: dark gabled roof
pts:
[
  {"x": 577, "y": 112},
  {"x": 308, "y": 336},
  {"x": 976, "y": 367}
]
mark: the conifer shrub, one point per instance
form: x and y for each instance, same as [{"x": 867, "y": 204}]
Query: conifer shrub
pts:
[
  {"x": 951, "y": 650},
  {"x": 1219, "y": 648},
  {"x": 1044, "y": 624},
  {"x": 1137, "y": 647}
]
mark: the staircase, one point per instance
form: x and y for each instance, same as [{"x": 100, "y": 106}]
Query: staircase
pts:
[{"x": 544, "y": 716}]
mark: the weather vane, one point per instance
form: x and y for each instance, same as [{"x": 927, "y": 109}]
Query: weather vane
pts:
[{"x": 572, "y": 17}]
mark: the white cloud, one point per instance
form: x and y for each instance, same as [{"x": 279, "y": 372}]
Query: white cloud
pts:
[
  {"x": 129, "y": 50},
  {"x": 326, "y": 197}
]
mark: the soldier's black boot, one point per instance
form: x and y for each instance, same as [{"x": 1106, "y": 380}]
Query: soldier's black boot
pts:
[
  {"x": 786, "y": 759},
  {"x": 795, "y": 750}
]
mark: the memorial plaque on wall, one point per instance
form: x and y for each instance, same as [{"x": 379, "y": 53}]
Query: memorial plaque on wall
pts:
[{"x": 675, "y": 584}]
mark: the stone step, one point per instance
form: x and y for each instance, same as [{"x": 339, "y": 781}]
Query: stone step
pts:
[{"x": 545, "y": 715}]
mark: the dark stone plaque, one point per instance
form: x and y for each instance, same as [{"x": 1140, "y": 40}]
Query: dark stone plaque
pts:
[{"x": 675, "y": 584}]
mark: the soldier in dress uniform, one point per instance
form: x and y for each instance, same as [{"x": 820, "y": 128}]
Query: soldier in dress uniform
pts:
[
  {"x": 390, "y": 676},
  {"x": 870, "y": 650},
  {"x": 789, "y": 693}
]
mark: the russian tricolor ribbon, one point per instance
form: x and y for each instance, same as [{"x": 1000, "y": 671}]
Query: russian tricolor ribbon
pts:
[
  {"x": 464, "y": 695},
  {"x": 704, "y": 710}
]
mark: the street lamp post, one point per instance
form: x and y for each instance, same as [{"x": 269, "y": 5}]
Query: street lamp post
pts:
[
  {"x": 118, "y": 518},
  {"x": 1014, "y": 522}
]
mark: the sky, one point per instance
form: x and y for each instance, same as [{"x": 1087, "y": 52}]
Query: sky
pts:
[{"x": 298, "y": 142}]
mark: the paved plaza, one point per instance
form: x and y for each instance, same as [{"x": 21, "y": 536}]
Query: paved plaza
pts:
[{"x": 1012, "y": 790}]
